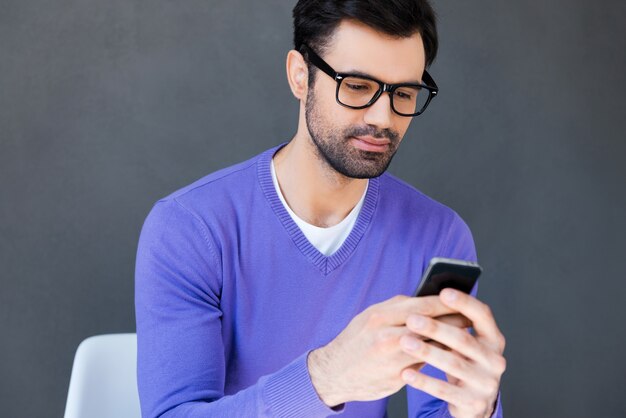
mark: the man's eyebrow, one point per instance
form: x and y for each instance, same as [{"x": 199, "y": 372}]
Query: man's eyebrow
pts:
[{"x": 366, "y": 75}]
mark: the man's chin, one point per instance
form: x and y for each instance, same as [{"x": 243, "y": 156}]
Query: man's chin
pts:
[{"x": 363, "y": 172}]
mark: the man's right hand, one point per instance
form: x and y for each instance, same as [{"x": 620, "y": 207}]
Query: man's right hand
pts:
[{"x": 364, "y": 362}]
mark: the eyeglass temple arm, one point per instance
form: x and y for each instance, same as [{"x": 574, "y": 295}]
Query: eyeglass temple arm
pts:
[
  {"x": 428, "y": 80},
  {"x": 318, "y": 61}
]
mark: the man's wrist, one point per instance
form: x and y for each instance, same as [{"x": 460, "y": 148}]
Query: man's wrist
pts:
[{"x": 320, "y": 371}]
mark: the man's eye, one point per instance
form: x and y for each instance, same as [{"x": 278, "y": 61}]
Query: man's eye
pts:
[
  {"x": 404, "y": 95},
  {"x": 357, "y": 87}
]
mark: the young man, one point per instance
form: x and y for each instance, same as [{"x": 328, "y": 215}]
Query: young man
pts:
[{"x": 278, "y": 287}]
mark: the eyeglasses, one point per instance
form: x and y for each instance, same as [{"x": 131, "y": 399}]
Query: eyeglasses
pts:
[{"x": 357, "y": 91}]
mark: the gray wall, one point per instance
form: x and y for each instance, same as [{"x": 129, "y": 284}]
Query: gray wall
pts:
[{"x": 107, "y": 106}]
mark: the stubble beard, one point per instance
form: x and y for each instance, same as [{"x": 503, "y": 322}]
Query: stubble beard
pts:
[{"x": 334, "y": 148}]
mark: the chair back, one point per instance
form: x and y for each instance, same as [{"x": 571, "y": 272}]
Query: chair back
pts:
[{"x": 104, "y": 378}]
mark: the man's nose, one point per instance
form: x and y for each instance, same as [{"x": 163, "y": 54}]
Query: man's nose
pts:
[{"x": 380, "y": 113}]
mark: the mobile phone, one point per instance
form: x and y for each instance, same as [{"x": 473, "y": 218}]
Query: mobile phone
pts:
[{"x": 448, "y": 272}]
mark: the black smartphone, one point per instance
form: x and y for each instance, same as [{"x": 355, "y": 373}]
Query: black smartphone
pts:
[{"x": 448, "y": 272}]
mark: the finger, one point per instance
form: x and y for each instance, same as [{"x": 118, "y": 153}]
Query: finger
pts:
[
  {"x": 440, "y": 389},
  {"x": 387, "y": 340},
  {"x": 479, "y": 313},
  {"x": 458, "y": 339},
  {"x": 455, "y": 396},
  {"x": 457, "y": 320},
  {"x": 448, "y": 361},
  {"x": 437, "y": 344},
  {"x": 395, "y": 311}
]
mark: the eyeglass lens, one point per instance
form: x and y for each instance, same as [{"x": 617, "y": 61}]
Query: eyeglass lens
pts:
[{"x": 357, "y": 92}]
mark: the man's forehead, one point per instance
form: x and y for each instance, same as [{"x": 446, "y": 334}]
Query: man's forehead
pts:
[{"x": 357, "y": 47}]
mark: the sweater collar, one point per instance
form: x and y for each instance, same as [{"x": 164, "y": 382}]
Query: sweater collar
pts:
[{"x": 325, "y": 263}]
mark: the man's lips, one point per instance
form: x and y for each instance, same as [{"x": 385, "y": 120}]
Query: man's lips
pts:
[{"x": 369, "y": 143}]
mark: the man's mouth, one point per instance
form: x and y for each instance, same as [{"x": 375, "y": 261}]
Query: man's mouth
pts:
[{"x": 371, "y": 144}]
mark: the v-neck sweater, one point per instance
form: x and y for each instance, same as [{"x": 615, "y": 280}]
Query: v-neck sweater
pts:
[
  {"x": 326, "y": 240},
  {"x": 231, "y": 296}
]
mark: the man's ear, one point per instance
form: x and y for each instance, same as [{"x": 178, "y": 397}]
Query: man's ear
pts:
[{"x": 297, "y": 74}]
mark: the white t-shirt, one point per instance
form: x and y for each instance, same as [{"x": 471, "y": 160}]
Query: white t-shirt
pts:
[{"x": 326, "y": 240}]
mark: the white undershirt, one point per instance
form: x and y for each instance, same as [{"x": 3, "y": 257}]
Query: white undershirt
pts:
[{"x": 326, "y": 240}]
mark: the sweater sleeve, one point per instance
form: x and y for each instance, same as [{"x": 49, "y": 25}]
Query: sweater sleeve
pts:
[
  {"x": 180, "y": 351},
  {"x": 458, "y": 244}
]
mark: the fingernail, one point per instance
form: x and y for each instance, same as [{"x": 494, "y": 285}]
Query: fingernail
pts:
[
  {"x": 416, "y": 322},
  {"x": 450, "y": 295}
]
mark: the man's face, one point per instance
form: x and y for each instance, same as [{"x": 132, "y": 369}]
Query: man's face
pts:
[{"x": 361, "y": 143}]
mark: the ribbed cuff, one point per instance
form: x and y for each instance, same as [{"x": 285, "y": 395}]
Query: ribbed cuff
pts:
[{"x": 290, "y": 392}]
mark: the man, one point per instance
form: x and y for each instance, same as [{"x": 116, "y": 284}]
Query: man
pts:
[{"x": 278, "y": 287}]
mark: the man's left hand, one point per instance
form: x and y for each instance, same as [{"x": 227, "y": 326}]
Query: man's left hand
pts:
[{"x": 473, "y": 364}]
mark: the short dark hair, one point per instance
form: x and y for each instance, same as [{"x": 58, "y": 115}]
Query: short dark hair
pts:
[{"x": 315, "y": 21}]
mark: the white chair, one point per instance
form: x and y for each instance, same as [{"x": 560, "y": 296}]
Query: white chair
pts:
[{"x": 104, "y": 380}]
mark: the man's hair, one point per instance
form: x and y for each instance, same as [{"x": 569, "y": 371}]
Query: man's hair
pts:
[{"x": 315, "y": 21}]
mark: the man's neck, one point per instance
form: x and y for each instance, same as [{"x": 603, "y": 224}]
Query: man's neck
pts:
[{"x": 313, "y": 190}]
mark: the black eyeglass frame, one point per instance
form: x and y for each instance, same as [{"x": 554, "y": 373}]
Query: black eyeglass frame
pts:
[{"x": 429, "y": 84}]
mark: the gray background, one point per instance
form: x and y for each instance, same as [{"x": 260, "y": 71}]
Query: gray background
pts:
[{"x": 107, "y": 106}]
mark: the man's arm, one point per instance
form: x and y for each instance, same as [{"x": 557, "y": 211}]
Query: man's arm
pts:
[
  {"x": 373, "y": 356},
  {"x": 181, "y": 364}
]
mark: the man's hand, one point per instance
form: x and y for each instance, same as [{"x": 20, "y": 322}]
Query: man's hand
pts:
[
  {"x": 365, "y": 361},
  {"x": 473, "y": 364}
]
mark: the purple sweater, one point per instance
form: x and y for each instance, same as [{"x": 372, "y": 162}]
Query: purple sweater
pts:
[{"x": 231, "y": 297}]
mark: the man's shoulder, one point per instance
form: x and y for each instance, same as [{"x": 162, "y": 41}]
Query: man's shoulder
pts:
[
  {"x": 215, "y": 197},
  {"x": 226, "y": 183},
  {"x": 404, "y": 196},
  {"x": 414, "y": 214},
  {"x": 216, "y": 180}
]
